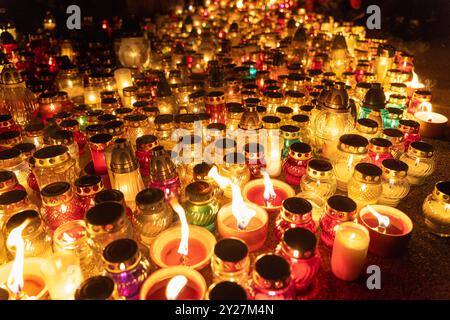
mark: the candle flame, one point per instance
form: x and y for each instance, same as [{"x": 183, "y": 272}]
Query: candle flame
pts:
[
  {"x": 174, "y": 287},
  {"x": 68, "y": 238},
  {"x": 183, "y": 248},
  {"x": 269, "y": 192},
  {"x": 427, "y": 107},
  {"x": 383, "y": 221},
  {"x": 241, "y": 212},
  {"x": 15, "y": 278},
  {"x": 415, "y": 83}
]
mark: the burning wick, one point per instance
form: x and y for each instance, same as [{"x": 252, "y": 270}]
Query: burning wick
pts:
[
  {"x": 241, "y": 212},
  {"x": 174, "y": 287},
  {"x": 183, "y": 248},
  {"x": 269, "y": 192},
  {"x": 15, "y": 279},
  {"x": 383, "y": 221}
]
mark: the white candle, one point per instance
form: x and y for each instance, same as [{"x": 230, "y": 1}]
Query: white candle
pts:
[
  {"x": 123, "y": 79},
  {"x": 349, "y": 251}
]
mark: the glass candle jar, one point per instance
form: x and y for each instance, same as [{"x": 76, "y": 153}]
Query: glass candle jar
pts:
[
  {"x": 48, "y": 106},
  {"x": 70, "y": 81},
  {"x": 37, "y": 242},
  {"x": 137, "y": 126},
  {"x": 294, "y": 167},
  {"x": 129, "y": 96},
  {"x": 410, "y": 129},
  {"x": 9, "y": 139},
  {"x": 271, "y": 279},
  {"x": 79, "y": 137},
  {"x": 8, "y": 182},
  {"x": 7, "y": 123},
  {"x": 72, "y": 237},
  {"x": 125, "y": 264},
  {"x": 319, "y": 178},
  {"x": 102, "y": 229},
  {"x": 144, "y": 146},
  {"x": 54, "y": 164},
  {"x": 197, "y": 101},
  {"x": 285, "y": 114},
  {"x": 65, "y": 138},
  {"x": 164, "y": 127},
  {"x": 116, "y": 128},
  {"x": 201, "y": 206},
  {"x": 113, "y": 195},
  {"x": 391, "y": 120},
  {"x": 379, "y": 150},
  {"x": 295, "y": 213},
  {"x": 338, "y": 209},
  {"x": 395, "y": 136},
  {"x": 234, "y": 114},
  {"x": 365, "y": 185},
  {"x": 235, "y": 169},
  {"x": 12, "y": 202},
  {"x": 152, "y": 215},
  {"x": 303, "y": 123},
  {"x": 97, "y": 288},
  {"x": 352, "y": 148},
  {"x": 436, "y": 209},
  {"x": 367, "y": 128},
  {"x": 230, "y": 261},
  {"x": 215, "y": 106},
  {"x": 289, "y": 134},
  {"x": 34, "y": 133},
  {"x": 394, "y": 183},
  {"x": 255, "y": 159},
  {"x": 98, "y": 143},
  {"x": 418, "y": 97},
  {"x": 13, "y": 160},
  {"x": 59, "y": 205},
  {"x": 86, "y": 187},
  {"x": 420, "y": 161},
  {"x": 163, "y": 173},
  {"x": 299, "y": 247}
]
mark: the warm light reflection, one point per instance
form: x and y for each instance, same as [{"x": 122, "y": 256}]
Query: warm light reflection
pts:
[
  {"x": 174, "y": 287},
  {"x": 383, "y": 221}
]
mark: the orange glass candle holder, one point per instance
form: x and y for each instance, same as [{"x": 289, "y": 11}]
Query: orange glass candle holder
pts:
[
  {"x": 154, "y": 288},
  {"x": 254, "y": 192},
  {"x": 256, "y": 232},
  {"x": 201, "y": 248},
  {"x": 391, "y": 240}
]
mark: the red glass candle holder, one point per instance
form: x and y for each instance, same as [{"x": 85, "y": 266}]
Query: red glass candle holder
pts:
[
  {"x": 86, "y": 187},
  {"x": 379, "y": 150},
  {"x": 79, "y": 137},
  {"x": 144, "y": 147},
  {"x": 254, "y": 158},
  {"x": 215, "y": 106},
  {"x": 98, "y": 144},
  {"x": 295, "y": 213},
  {"x": 294, "y": 167},
  {"x": 411, "y": 131},
  {"x": 7, "y": 123}
]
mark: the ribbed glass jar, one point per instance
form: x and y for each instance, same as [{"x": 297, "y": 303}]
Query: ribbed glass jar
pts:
[
  {"x": 420, "y": 161},
  {"x": 365, "y": 185},
  {"x": 436, "y": 209},
  {"x": 394, "y": 182},
  {"x": 319, "y": 178}
]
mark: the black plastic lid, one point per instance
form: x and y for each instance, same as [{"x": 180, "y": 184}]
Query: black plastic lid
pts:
[
  {"x": 101, "y": 138},
  {"x": 297, "y": 205},
  {"x": 55, "y": 189},
  {"x": 235, "y": 107},
  {"x": 271, "y": 119},
  {"x": 7, "y": 117},
  {"x": 230, "y": 250},
  {"x": 368, "y": 169},
  {"x": 95, "y": 288},
  {"x": 149, "y": 196},
  {"x": 272, "y": 267},
  {"x": 422, "y": 146},
  {"x": 12, "y": 196},
  {"x": 109, "y": 195},
  {"x": 300, "y": 239},
  {"x": 320, "y": 165},
  {"x": 114, "y": 124},
  {"x": 164, "y": 118},
  {"x": 395, "y": 165},
  {"x": 105, "y": 213},
  {"x": 87, "y": 181},
  {"x": 409, "y": 123},
  {"x": 96, "y": 127},
  {"x": 199, "y": 191},
  {"x": 396, "y": 111},
  {"x": 68, "y": 123},
  {"x": 10, "y": 153},
  {"x": 6, "y": 175},
  {"x": 50, "y": 152},
  {"x": 284, "y": 110},
  {"x": 227, "y": 290},
  {"x": 106, "y": 117},
  {"x": 217, "y": 126},
  {"x": 121, "y": 250},
  {"x": 302, "y": 118},
  {"x": 9, "y": 135},
  {"x": 366, "y": 122},
  {"x": 146, "y": 139},
  {"x": 341, "y": 203},
  {"x": 35, "y": 127},
  {"x": 443, "y": 187},
  {"x": 300, "y": 147},
  {"x": 354, "y": 140},
  {"x": 390, "y": 132},
  {"x": 202, "y": 168},
  {"x": 61, "y": 135},
  {"x": 289, "y": 128},
  {"x": 381, "y": 142},
  {"x": 18, "y": 218}
]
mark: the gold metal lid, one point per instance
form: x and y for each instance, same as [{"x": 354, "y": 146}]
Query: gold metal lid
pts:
[
  {"x": 271, "y": 122},
  {"x": 199, "y": 192},
  {"x": 56, "y": 193},
  {"x": 161, "y": 165},
  {"x": 296, "y": 210},
  {"x": 299, "y": 243},
  {"x": 18, "y": 218},
  {"x": 394, "y": 168},
  {"x": 250, "y": 119},
  {"x": 88, "y": 185},
  {"x": 97, "y": 222},
  {"x": 442, "y": 191},
  {"x": 319, "y": 169},
  {"x": 397, "y": 99},
  {"x": 10, "y": 157},
  {"x": 147, "y": 142},
  {"x": 13, "y": 200},
  {"x": 393, "y": 135},
  {"x": 353, "y": 143},
  {"x": 121, "y": 255},
  {"x": 150, "y": 200},
  {"x": 409, "y": 126},
  {"x": 272, "y": 272},
  {"x": 422, "y": 95},
  {"x": 421, "y": 149},
  {"x": 230, "y": 255},
  {"x": 367, "y": 172},
  {"x": 8, "y": 180},
  {"x": 50, "y": 156},
  {"x": 136, "y": 120},
  {"x": 300, "y": 151},
  {"x": 47, "y": 97},
  {"x": 290, "y": 132}
]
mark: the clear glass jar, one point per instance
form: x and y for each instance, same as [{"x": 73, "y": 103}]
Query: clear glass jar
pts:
[
  {"x": 116, "y": 128},
  {"x": 294, "y": 166},
  {"x": 295, "y": 99},
  {"x": 201, "y": 206},
  {"x": 54, "y": 164},
  {"x": 70, "y": 81},
  {"x": 272, "y": 100},
  {"x": 9, "y": 139},
  {"x": 197, "y": 102},
  {"x": 65, "y": 138},
  {"x": 165, "y": 125},
  {"x": 126, "y": 265},
  {"x": 295, "y": 213},
  {"x": 231, "y": 261},
  {"x": 9, "y": 182},
  {"x": 436, "y": 209},
  {"x": 339, "y": 209},
  {"x": 34, "y": 133},
  {"x": 60, "y": 205},
  {"x": 79, "y": 137},
  {"x": 289, "y": 134},
  {"x": 365, "y": 185},
  {"x": 152, "y": 215},
  {"x": 299, "y": 247},
  {"x": 367, "y": 128},
  {"x": 394, "y": 182},
  {"x": 234, "y": 114},
  {"x": 410, "y": 129},
  {"x": 103, "y": 229},
  {"x": 319, "y": 178},
  {"x": 13, "y": 160},
  {"x": 395, "y": 136},
  {"x": 129, "y": 96},
  {"x": 137, "y": 126},
  {"x": 352, "y": 148},
  {"x": 235, "y": 169},
  {"x": 189, "y": 154},
  {"x": 379, "y": 150},
  {"x": 271, "y": 279},
  {"x": 285, "y": 114},
  {"x": 72, "y": 237},
  {"x": 420, "y": 161},
  {"x": 37, "y": 242},
  {"x": 303, "y": 123}
]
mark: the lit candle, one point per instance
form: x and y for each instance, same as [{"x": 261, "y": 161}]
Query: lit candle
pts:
[
  {"x": 414, "y": 85},
  {"x": 349, "y": 251},
  {"x": 123, "y": 79},
  {"x": 432, "y": 124},
  {"x": 91, "y": 96}
]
